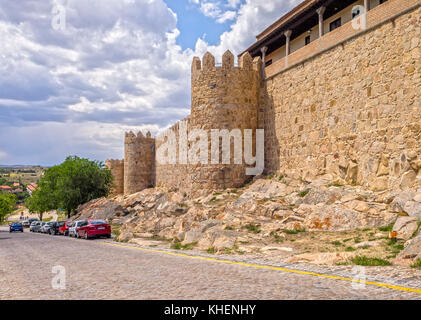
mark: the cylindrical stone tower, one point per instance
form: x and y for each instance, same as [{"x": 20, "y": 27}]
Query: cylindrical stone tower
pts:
[
  {"x": 223, "y": 97},
  {"x": 139, "y": 159}
]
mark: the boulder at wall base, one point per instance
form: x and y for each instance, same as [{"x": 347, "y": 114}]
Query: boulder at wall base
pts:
[
  {"x": 219, "y": 239},
  {"x": 125, "y": 236},
  {"x": 192, "y": 236},
  {"x": 398, "y": 203},
  {"x": 316, "y": 196},
  {"x": 98, "y": 209},
  {"x": 405, "y": 227},
  {"x": 413, "y": 209},
  {"x": 413, "y": 249},
  {"x": 340, "y": 218}
]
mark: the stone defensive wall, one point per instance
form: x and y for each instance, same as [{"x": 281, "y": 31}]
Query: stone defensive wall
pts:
[
  {"x": 355, "y": 110},
  {"x": 117, "y": 169},
  {"x": 139, "y": 162},
  {"x": 223, "y": 97},
  {"x": 172, "y": 175}
]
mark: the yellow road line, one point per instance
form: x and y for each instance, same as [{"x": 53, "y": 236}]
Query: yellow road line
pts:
[{"x": 270, "y": 268}]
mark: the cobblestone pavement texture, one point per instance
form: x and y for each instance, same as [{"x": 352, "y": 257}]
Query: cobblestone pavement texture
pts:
[{"x": 95, "y": 270}]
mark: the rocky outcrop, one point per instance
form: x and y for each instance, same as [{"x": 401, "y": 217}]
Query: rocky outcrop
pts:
[
  {"x": 99, "y": 209},
  {"x": 405, "y": 227},
  {"x": 412, "y": 250},
  {"x": 250, "y": 219}
]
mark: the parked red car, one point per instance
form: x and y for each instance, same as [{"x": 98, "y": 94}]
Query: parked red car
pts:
[
  {"x": 95, "y": 228},
  {"x": 64, "y": 229}
]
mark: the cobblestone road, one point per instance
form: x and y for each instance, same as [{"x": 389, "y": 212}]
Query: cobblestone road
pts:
[{"x": 95, "y": 270}]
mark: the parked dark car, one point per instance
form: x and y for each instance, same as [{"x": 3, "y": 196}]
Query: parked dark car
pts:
[
  {"x": 55, "y": 227},
  {"x": 94, "y": 228},
  {"x": 16, "y": 227}
]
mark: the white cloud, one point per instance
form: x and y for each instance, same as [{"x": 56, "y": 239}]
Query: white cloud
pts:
[
  {"x": 253, "y": 16},
  {"x": 116, "y": 67}
]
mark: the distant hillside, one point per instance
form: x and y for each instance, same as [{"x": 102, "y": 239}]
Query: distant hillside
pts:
[
  {"x": 24, "y": 174},
  {"x": 19, "y": 166}
]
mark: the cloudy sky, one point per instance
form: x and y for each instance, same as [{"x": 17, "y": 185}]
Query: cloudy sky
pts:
[{"x": 76, "y": 74}]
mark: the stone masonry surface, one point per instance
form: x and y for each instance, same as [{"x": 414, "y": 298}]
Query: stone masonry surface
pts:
[{"x": 352, "y": 112}]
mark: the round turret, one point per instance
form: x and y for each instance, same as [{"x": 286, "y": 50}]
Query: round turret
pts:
[
  {"x": 223, "y": 97},
  {"x": 139, "y": 158}
]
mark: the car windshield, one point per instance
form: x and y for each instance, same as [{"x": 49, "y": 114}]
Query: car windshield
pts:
[{"x": 99, "y": 222}]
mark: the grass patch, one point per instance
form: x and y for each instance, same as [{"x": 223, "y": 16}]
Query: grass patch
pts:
[
  {"x": 115, "y": 230},
  {"x": 394, "y": 247},
  {"x": 287, "y": 231},
  {"x": 178, "y": 246},
  {"x": 229, "y": 228},
  {"x": 336, "y": 243},
  {"x": 349, "y": 249},
  {"x": 254, "y": 228},
  {"x": 416, "y": 264},
  {"x": 228, "y": 251},
  {"x": 211, "y": 250},
  {"x": 335, "y": 184},
  {"x": 302, "y": 194},
  {"x": 387, "y": 228},
  {"x": 370, "y": 262}
]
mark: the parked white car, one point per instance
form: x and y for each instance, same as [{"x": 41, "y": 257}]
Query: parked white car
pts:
[{"x": 74, "y": 227}]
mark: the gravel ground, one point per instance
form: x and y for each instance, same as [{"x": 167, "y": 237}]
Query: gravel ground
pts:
[{"x": 96, "y": 270}]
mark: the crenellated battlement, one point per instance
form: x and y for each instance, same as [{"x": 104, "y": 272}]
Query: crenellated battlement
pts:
[
  {"x": 207, "y": 64},
  {"x": 130, "y": 137}
]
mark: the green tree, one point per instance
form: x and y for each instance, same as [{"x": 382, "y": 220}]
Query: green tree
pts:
[
  {"x": 40, "y": 202},
  {"x": 74, "y": 182},
  {"x": 7, "y": 204}
]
